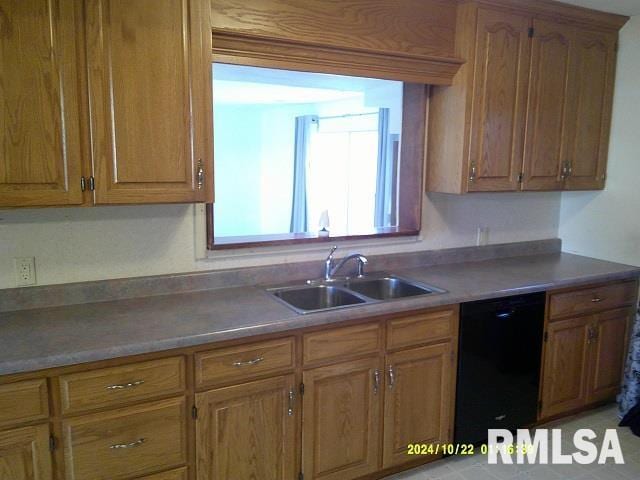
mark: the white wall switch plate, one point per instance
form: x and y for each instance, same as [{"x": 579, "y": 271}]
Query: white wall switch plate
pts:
[{"x": 25, "y": 271}]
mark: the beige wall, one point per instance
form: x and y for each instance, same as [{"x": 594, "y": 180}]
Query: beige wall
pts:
[
  {"x": 607, "y": 224},
  {"x": 79, "y": 244}
]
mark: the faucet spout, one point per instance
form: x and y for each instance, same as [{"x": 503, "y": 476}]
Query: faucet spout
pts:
[{"x": 358, "y": 257}]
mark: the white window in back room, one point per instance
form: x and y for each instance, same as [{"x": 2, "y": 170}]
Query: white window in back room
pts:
[{"x": 289, "y": 146}]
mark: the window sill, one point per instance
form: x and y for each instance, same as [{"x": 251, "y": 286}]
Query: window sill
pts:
[{"x": 235, "y": 243}]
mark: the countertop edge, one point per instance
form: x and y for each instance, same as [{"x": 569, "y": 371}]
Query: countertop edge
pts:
[{"x": 292, "y": 324}]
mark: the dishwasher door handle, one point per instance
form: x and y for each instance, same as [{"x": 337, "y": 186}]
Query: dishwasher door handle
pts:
[{"x": 506, "y": 314}]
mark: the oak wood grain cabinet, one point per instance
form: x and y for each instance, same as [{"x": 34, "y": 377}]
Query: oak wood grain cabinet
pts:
[
  {"x": 584, "y": 353},
  {"x": 40, "y": 140},
  {"x": 24, "y": 454},
  {"x": 248, "y": 430},
  {"x": 149, "y": 80},
  {"x": 531, "y": 108}
]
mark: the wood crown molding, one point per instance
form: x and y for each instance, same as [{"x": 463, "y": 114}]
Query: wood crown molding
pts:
[
  {"x": 257, "y": 51},
  {"x": 560, "y": 12}
]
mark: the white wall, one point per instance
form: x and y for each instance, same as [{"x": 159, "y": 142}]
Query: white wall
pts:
[
  {"x": 607, "y": 224},
  {"x": 79, "y": 244}
]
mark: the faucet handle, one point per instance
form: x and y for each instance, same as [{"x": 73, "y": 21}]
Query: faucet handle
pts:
[{"x": 333, "y": 249}]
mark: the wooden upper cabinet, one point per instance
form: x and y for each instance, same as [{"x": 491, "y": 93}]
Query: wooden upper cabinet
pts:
[
  {"x": 546, "y": 138},
  {"x": 149, "y": 74},
  {"x": 24, "y": 454},
  {"x": 40, "y": 149},
  {"x": 592, "y": 78},
  {"x": 499, "y": 101},
  {"x": 524, "y": 113}
]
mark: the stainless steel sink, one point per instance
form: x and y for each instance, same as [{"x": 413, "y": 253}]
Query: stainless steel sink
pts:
[
  {"x": 389, "y": 287},
  {"x": 319, "y": 297},
  {"x": 349, "y": 292}
]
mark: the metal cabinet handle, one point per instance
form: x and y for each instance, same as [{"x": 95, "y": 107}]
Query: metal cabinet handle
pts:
[
  {"x": 137, "y": 443},
  {"x": 472, "y": 174},
  {"x": 122, "y": 386},
  {"x": 248, "y": 362},
  {"x": 392, "y": 377},
  {"x": 596, "y": 299},
  {"x": 200, "y": 175},
  {"x": 292, "y": 399},
  {"x": 376, "y": 381}
]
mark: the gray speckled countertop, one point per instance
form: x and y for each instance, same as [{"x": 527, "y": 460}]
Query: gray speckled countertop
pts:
[{"x": 52, "y": 337}]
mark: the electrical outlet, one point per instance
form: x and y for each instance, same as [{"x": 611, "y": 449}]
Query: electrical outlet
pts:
[{"x": 25, "y": 270}]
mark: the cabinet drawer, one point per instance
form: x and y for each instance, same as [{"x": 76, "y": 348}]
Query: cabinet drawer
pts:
[
  {"x": 22, "y": 402},
  {"x": 179, "y": 474},
  {"x": 340, "y": 343},
  {"x": 244, "y": 361},
  {"x": 127, "y": 442},
  {"x": 421, "y": 328},
  {"x": 591, "y": 299},
  {"x": 123, "y": 384}
]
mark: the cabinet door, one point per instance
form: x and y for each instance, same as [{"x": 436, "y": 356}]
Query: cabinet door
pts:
[
  {"x": 566, "y": 357},
  {"x": 499, "y": 101},
  {"x": 149, "y": 71},
  {"x": 24, "y": 454},
  {"x": 40, "y": 150},
  {"x": 248, "y": 431},
  {"x": 592, "y": 75},
  {"x": 418, "y": 400},
  {"x": 341, "y": 418},
  {"x": 609, "y": 340},
  {"x": 545, "y": 143}
]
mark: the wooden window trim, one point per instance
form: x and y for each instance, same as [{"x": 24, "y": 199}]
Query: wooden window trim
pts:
[{"x": 410, "y": 177}]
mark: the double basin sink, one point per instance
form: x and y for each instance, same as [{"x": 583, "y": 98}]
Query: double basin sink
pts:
[{"x": 349, "y": 292}]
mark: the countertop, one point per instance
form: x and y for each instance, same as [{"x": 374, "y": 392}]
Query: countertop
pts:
[{"x": 51, "y": 337}]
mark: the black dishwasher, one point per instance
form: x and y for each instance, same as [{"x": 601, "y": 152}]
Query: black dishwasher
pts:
[{"x": 498, "y": 365}]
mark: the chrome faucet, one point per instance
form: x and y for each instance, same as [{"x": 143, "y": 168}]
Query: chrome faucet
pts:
[{"x": 330, "y": 270}]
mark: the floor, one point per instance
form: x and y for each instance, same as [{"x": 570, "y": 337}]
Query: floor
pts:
[{"x": 476, "y": 467}]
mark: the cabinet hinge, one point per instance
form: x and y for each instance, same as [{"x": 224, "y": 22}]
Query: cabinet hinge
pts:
[
  {"x": 194, "y": 412},
  {"x": 301, "y": 388},
  {"x": 531, "y": 32},
  {"x": 52, "y": 443},
  {"x": 546, "y": 336},
  {"x": 520, "y": 177},
  {"x": 83, "y": 183},
  {"x": 92, "y": 183}
]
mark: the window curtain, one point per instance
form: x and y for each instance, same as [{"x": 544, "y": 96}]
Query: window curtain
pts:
[
  {"x": 630, "y": 393},
  {"x": 303, "y": 131},
  {"x": 385, "y": 178}
]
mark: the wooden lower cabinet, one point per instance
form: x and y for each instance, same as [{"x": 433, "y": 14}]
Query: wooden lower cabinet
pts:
[
  {"x": 584, "y": 360},
  {"x": 248, "y": 431},
  {"x": 565, "y": 366},
  {"x": 341, "y": 420},
  {"x": 24, "y": 454},
  {"x": 127, "y": 442},
  {"x": 418, "y": 400},
  {"x": 610, "y": 334}
]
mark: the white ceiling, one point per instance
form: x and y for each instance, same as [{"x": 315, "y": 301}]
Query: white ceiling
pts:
[{"x": 621, "y": 7}]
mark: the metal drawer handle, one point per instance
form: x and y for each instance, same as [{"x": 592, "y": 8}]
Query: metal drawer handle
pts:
[
  {"x": 596, "y": 299},
  {"x": 125, "y": 385},
  {"x": 376, "y": 381},
  {"x": 292, "y": 399},
  {"x": 137, "y": 443},
  {"x": 248, "y": 363}
]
